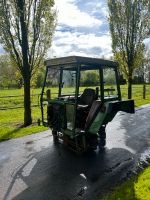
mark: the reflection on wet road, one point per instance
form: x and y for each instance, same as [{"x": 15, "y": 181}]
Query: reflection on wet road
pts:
[{"x": 32, "y": 167}]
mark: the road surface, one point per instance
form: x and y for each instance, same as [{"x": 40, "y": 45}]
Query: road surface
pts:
[{"x": 32, "y": 167}]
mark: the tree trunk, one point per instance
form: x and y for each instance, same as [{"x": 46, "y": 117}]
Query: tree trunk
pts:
[
  {"x": 130, "y": 87},
  {"x": 26, "y": 66},
  {"x": 27, "y": 102}
]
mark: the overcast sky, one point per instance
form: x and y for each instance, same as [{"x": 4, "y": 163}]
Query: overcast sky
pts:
[{"x": 82, "y": 29}]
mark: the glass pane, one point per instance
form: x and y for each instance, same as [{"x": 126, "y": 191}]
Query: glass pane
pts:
[
  {"x": 110, "y": 87},
  {"x": 52, "y": 82},
  {"x": 68, "y": 82},
  {"x": 70, "y": 114},
  {"x": 89, "y": 79}
]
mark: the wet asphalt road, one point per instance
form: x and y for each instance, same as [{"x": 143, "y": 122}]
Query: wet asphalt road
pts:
[{"x": 32, "y": 167}]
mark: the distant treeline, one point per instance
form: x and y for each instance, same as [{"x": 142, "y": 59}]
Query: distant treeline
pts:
[{"x": 11, "y": 78}]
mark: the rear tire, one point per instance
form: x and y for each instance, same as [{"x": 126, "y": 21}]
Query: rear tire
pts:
[
  {"x": 55, "y": 136},
  {"x": 93, "y": 142}
]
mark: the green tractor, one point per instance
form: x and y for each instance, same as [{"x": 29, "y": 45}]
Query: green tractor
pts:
[{"x": 80, "y": 96}]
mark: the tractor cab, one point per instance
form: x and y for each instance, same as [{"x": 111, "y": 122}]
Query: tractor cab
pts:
[{"x": 80, "y": 96}]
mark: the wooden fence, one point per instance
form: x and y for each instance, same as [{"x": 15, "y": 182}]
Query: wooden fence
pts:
[{"x": 139, "y": 92}]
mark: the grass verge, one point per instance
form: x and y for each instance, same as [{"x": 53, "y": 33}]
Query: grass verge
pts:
[
  {"x": 137, "y": 188},
  {"x": 11, "y": 121}
]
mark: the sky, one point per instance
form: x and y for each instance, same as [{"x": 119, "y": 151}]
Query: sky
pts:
[{"x": 82, "y": 29}]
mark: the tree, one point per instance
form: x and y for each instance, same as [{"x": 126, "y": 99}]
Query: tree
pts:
[
  {"x": 146, "y": 63},
  {"x": 129, "y": 23},
  {"x": 138, "y": 62},
  {"x": 8, "y": 72},
  {"x": 9, "y": 75},
  {"x": 89, "y": 78},
  {"x": 26, "y": 30},
  {"x": 40, "y": 78}
]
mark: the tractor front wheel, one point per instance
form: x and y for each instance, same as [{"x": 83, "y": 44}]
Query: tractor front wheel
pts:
[{"x": 102, "y": 137}]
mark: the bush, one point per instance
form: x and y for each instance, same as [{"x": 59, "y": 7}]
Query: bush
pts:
[{"x": 90, "y": 78}]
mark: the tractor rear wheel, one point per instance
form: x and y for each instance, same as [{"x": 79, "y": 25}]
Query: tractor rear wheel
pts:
[
  {"x": 55, "y": 136},
  {"x": 93, "y": 142}
]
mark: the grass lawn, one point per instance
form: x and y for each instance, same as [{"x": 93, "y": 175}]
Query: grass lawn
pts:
[
  {"x": 11, "y": 120},
  {"x": 137, "y": 188}
]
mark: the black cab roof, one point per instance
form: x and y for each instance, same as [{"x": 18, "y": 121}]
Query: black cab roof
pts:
[{"x": 86, "y": 63}]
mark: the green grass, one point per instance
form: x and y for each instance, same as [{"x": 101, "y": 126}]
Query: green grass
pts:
[
  {"x": 137, "y": 94},
  {"x": 11, "y": 120},
  {"x": 137, "y": 188}
]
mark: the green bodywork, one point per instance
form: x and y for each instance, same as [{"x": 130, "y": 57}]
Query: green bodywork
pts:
[
  {"x": 98, "y": 121},
  {"x": 111, "y": 110},
  {"x": 65, "y": 115}
]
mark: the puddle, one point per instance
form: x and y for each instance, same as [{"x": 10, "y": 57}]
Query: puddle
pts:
[
  {"x": 143, "y": 161},
  {"x": 29, "y": 142},
  {"x": 80, "y": 187},
  {"x": 80, "y": 194},
  {"x": 83, "y": 176},
  {"x": 145, "y": 156}
]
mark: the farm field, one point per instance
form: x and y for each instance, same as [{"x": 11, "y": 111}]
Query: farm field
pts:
[{"x": 11, "y": 120}]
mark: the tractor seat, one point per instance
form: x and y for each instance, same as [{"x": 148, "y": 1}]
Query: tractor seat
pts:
[
  {"x": 84, "y": 104},
  {"x": 87, "y": 97}
]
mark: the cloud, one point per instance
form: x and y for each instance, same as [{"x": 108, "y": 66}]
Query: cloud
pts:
[
  {"x": 96, "y": 8},
  {"x": 77, "y": 43},
  {"x": 70, "y": 15},
  {"x": 82, "y": 29}
]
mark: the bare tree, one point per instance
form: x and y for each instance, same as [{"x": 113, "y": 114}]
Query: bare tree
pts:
[
  {"x": 129, "y": 22},
  {"x": 26, "y": 30}
]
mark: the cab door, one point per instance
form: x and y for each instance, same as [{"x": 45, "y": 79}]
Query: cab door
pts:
[{"x": 68, "y": 92}]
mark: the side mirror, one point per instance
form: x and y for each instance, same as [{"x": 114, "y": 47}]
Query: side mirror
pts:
[{"x": 48, "y": 94}]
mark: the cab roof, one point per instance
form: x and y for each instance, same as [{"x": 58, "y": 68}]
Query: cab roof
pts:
[{"x": 86, "y": 63}]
